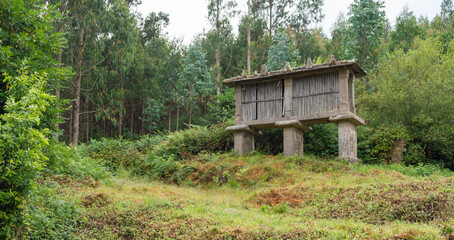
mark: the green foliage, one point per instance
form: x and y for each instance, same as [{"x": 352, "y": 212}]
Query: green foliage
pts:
[
  {"x": 47, "y": 216},
  {"x": 190, "y": 142},
  {"x": 312, "y": 45},
  {"x": 270, "y": 141},
  {"x": 28, "y": 40},
  {"x": 414, "y": 91},
  {"x": 406, "y": 30},
  {"x": 114, "y": 153},
  {"x": 222, "y": 109},
  {"x": 28, "y": 37},
  {"x": 322, "y": 140},
  {"x": 195, "y": 83},
  {"x": 281, "y": 52},
  {"x": 21, "y": 142},
  {"x": 383, "y": 140},
  {"x": 65, "y": 160},
  {"x": 283, "y": 208},
  {"x": 364, "y": 32}
]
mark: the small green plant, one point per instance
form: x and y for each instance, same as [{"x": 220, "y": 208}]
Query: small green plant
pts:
[
  {"x": 283, "y": 208},
  {"x": 265, "y": 208}
]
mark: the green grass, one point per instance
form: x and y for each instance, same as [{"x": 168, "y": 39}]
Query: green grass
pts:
[{"x": 251, "y": 197}]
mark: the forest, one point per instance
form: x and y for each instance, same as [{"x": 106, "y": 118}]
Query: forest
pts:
[{"x": 107, "y": 122}]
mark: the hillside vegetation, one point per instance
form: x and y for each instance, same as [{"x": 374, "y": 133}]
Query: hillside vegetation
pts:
[{"x": 158, "y": 187}]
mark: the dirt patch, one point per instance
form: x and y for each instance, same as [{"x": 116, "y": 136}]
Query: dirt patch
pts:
[
  {"x": 67, "y": 181},
  {"x": 292, "y": 196},
  {"x": 423, "y": 201},
  {"x": 97, "y": 199},
  {"x": 143, "y": 222}
]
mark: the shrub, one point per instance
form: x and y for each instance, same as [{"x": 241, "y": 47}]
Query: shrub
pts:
[
  {"x": 47, "y": 216},
  {"x": 21, "y": 141},
  {"x": 68, "y": 160},
  {"x": 270, "y": 141},
  {"x": 414, "y": 91},
  {"x": 375, "y": 144},
  {"x": 114, "y": 153},
  {"x": 189, "y": 142},
  {"x": 322, "y": 140}
]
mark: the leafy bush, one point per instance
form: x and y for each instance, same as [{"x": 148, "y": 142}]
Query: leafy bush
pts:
[
  {"x": 68, "y": 160},
  {"x": 382, "y": 141},
  {"x": 21, "y": 141},
  {"x": 270, "y": 141},
  {"x": 49, "y": 217},
  {"x": 414, "y": 90},
  {"x": 189, "y": 142},
  {"x": 322, "y": 140},
  {"x": 114, "y": 153}
]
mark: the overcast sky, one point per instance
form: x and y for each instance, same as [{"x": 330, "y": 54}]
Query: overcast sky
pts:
[{"x": 189, "y": 17}]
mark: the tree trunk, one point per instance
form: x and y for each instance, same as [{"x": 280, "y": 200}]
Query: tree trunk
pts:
[
  {"x": 364, "y": 51},
  {"x": 190, "y": 108},
  {"x": 249, "y": 37},
  {"x": 170, "y": 108},
  {"x": 120, "y": 125},
  {"x": 218, "y": 52},
  {"x": 59, "y": 56},
  {"x": 80, "y": 48},
  {"x": 87, "y": 121},
  {"x": 132, "y": 118},
  {"x": 141, "y": 123},
  {"x": 271, "y": 17},
  {"x": 178, "y": 116},
  {"x": 70, "y": 123}
]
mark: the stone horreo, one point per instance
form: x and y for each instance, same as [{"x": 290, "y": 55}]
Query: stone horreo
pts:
[{"x": 295, "y": 99}]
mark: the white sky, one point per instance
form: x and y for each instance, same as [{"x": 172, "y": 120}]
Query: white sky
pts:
[{"x": 189, "y": 17}]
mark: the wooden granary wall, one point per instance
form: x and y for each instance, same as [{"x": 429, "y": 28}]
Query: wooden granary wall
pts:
[{"x": 263, "y": 100}]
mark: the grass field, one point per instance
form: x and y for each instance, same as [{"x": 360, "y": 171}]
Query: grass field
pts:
[{"x": 254, "y": 197}]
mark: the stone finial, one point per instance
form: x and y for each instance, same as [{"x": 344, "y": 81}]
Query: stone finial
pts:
[
  {"x": 332, "y": 60},
  {"x": 309, "y": 63},
  {"x": 287, "y": 67},
  {"x": 243, "y": 74},
  {"x": 264, "y": 71}
]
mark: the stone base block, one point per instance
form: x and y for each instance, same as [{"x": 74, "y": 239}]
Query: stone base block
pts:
[
  {"x": 293, "y": 141},
  {"x": 244, "y": 142}
]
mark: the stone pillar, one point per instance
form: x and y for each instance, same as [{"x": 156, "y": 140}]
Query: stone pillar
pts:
[
  {"x": 244, "y": 138},
  {"x": 293, "y": 137},
  {"x": 347, "y": 141},
  {"x": 293, "y": 141},
  {"x": 347, "y": 135},
  {"x": 244, "y": 142}
]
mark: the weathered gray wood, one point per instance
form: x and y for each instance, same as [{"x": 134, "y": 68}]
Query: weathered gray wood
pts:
[
  {"x": 343, "y": 90},
  {"x": 238, "y": 105},
  {"x": 351, "y": 94},
  {"x": 288, "y": 97},
  {"x": 318, "y": 93}
]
